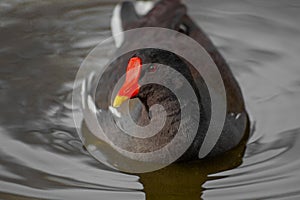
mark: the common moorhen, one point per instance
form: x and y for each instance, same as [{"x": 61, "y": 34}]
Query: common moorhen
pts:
[{"x": 147, "y": 64}]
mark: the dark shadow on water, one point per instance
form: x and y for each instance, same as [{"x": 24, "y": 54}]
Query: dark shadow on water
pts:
[{"x": 184, "y": 180}]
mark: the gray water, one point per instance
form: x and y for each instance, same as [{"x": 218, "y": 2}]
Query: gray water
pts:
[{"x": 42, "y": 44}]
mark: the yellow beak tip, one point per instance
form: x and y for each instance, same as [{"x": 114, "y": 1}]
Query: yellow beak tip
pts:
[{"x": 119, "y": 100}]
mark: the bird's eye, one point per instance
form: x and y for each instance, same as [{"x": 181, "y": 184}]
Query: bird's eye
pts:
[{"x": 152, "y": 68}]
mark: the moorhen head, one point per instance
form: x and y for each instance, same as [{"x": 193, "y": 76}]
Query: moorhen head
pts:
[{"x": 145, "y": 69}]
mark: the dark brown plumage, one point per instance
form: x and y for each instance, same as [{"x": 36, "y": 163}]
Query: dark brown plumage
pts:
[{"x": 172, "y": 14}]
